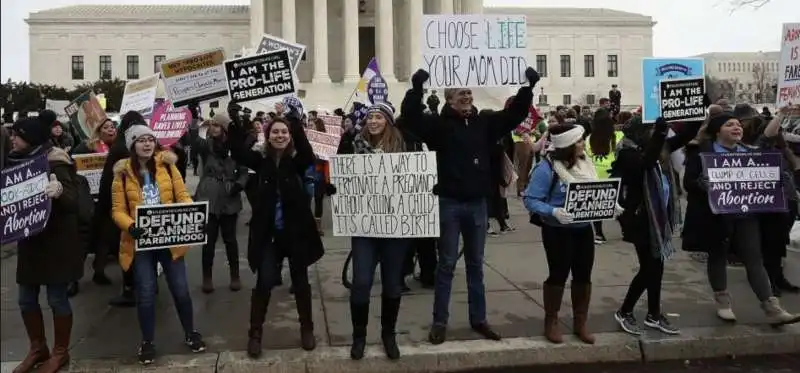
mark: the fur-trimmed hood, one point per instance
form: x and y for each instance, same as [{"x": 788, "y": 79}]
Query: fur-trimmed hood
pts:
[
  {"x": 55, "y": 154},
  {"x": 165, "y": 157}
]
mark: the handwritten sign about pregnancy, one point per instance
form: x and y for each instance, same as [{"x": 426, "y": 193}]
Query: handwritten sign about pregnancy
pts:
[
  {"x": 744, "y": 182},
  {"x": 385, "y": 195},
  {"x": 25, "y": 207},
  {"x": 474, "y": 50}
]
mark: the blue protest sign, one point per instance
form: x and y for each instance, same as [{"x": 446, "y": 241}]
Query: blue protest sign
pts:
[{"x": 654, "y": 70}]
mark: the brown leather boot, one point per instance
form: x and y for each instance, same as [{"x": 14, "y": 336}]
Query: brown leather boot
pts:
[
  {"x": 38, "y": 353},
  {"x": 62, "y": 329},
  {"x": 581, "y": 297},
  {"x": 319, "y": 226},
  {"x": 302, "y": 298},
  {"x": 552, "y": 304},
  {"x": 258, "y": 312}
]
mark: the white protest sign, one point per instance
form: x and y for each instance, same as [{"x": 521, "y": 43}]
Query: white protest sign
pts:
[
  {"x": 91, "y": 166},
  {"x": 385, "y": 195},
  {"x": 139, "y": 95},
  {"x": 271, "y": 43},
  {"x": 789, "y": 72},
  {"x": 171, "y": 225},
  {"x": 592, "y": 200},
  {"x": 197, "y": 77},
  {"x": 324, "y": 144},
  {"x": 474, "y": 50}
]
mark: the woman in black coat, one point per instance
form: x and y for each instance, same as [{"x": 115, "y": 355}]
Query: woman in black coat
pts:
[{"x": 282, "y": 223}]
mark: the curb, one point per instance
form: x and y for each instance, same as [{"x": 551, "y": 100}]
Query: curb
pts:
[{"x": 693, "y": 343}]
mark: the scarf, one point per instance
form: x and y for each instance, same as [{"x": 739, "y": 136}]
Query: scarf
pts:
[
  {"x": 663, "y": 217},
  {"x": 583, "y": 170},
  {"x": 362, "y": 146}
]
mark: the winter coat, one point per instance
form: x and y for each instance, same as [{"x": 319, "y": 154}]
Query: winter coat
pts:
[
  {"x": 284, "y": 177},
  {"x": 219, "y": 176},
  {"x": 55, "y": 255},
  {"x": 126, "y": 194},
  {"x": 64, "y": 141}
]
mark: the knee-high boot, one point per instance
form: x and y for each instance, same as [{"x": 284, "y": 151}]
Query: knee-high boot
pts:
[
  {"x": 302, "y": 298},
  {"x": 552, "y": 304},
  {"x": 259, "y": 301},
  {"x": 581, "y": 297},
  {"x": 59, "y": 357},
  {"x": 359, "y": 315},
  {"x": 390, "y": 307},
  {"x": 38, "y": 353}
]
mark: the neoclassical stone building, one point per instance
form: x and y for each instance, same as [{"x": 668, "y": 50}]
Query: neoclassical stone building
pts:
[{"x": 580, "y": 52}]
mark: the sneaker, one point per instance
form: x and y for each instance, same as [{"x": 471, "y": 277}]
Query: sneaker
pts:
[
  {"x": 195, "y": 342},
  {"x": 599, "y": 240},
  {"x": 146, "y": 353},
  {"x": 661, "y": 323},
  {"x": 507, "y": 229},
  {"x": 492, "y": 233},
  {"x": 628, "y": 323}
]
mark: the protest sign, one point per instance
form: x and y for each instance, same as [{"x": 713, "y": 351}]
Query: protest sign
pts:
[
  {"x": 377, "y": 89},
  {"x": 744, "y": 182},
  {"x": 474, "y": 50},
  {"x": 58, "y": 107},
  {"x": 169, "y": 123},
  {"x": 333, "y": 124},
  {"x": 85, "y": 114},
  {"x": 197, "y": 77},
  {"x": 654, "y": 70},
  {"x": 259, "y": 77},
  {"x": 789, "y": 77},
  {"x": 385, "y": 195},
  {"x": 177, "y": 224},
  {"x": 682, "y": 99},
  {"x": 592, "y": 200},
  {"x": 324, "y": 144},
  {"x": 271, "y": 43},
  {"x": 25, "y": 207},
  {"x": 90, "y": 166},
  {"x": 139, "y": 95}
]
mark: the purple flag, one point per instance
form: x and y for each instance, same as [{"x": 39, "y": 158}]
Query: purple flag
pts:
[
  {"x": 740, "y": 183},
  {"x": 25, "y": 207}
]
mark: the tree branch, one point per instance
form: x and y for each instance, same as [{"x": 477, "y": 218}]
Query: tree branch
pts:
[{"x": 755, "y": 4}]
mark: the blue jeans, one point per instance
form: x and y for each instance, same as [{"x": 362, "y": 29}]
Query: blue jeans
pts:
[
  {"x": 468, "y": 220},
  {"x": 367, "y": 252},
  {"x": 56, "y": 298},
  {"x": 144, "y": 271}
]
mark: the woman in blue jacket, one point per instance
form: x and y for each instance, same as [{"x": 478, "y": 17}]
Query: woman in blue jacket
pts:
[{"x": 569, "y": 247}]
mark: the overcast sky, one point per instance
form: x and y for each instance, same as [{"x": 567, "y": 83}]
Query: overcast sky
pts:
[{"x": 685, "y": 27}]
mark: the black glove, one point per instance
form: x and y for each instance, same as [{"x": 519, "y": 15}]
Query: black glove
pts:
[
  {"x": 532, "y": 75},
  {"x": 330, "y": 189},
  {"x": 706, "y": 100},
  {"x": 433, "y": 102},
  {"x": 661, "y": 126},
  {"x": 419, "y": 78},
  {"x": 235, "y": 190},
  {"x": 436, "y": 190},
  {"x": 135, "y": 232}
]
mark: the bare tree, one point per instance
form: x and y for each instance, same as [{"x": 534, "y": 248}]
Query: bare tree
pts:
[
  {"x": 763, "y": 83},
  {"x": 755, "y": 4}
]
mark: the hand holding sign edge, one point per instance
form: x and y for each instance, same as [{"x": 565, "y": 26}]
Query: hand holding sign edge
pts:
[
  {"x": 419, "y": 78},
  {"x": 532, "y": 75}
]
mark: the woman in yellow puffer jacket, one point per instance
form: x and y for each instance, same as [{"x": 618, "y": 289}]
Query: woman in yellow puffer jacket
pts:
[{"x": 149, "y": 177}]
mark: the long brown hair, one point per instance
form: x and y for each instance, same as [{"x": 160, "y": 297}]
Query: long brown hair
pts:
[
  {"x": 268, "y": 149},
  {"x": 602, "y": 140},
  {"x": 567, "y": 155},
  {"x": 390, "y": 141},
  {"x": 150, "y": 165}
]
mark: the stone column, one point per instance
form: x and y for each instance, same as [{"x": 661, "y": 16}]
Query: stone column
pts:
[
  {"x": 351, "y": 48},
  {"x": 320, "y": 42},
  {"x": 384, "y": 40},
  {"x": 445, "y": 6},
  {"x": 414, "y": 24},
  {"x": 475, "y": 6},
  {"x": 257, "y": 22},
  {"x": 288, "y": 20}
]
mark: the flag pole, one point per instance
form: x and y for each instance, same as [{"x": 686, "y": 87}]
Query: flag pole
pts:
[{"x": 350, "y": 98}]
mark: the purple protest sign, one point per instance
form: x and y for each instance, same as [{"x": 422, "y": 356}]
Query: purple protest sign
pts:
[
  {"x": 377, "y": 89},
  {"x": 25, "y": 207},
  {"x": 744, "y": 182}
]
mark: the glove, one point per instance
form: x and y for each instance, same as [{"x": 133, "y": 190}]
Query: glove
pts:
[
  {"x": 235, "y": 190},
  {"x": 661, "y": 126},
  {"x": 135, "y": 232},
  {"x": 330, "y": 189},
  {"x": 618, "y": 210},
  {"x": 54, "y": 188},
  {"x": 419, "y": 78},
  {"x": 563, "y": 216},
  {"x": 532, "y": 75}
]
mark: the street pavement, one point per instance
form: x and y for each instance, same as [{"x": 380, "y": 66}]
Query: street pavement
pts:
[{"x": 105, "y": 338}]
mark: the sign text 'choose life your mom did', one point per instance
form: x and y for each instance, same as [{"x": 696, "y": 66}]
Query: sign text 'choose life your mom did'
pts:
[
  {"x": 474, "y": 50},
  {"x": 387, "y": 195}
]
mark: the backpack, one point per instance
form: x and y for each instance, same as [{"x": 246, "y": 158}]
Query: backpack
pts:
[{"x": 535, "y": 219}]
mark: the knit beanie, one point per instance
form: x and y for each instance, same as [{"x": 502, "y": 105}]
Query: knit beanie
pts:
[
  {"x": 222, "y": 120},
  {"x": 135, "y": 132},
  {"x": 717, "y": 121},
  {"x": 384, "y": 109},
  {"x": 48, "y": 117},
  {"x": 32, "y": 130}
]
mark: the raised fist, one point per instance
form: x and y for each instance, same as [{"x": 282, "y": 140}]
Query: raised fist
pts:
[
  {"x": 532, "y": 75},
  {"x": 419, "y": 78}
]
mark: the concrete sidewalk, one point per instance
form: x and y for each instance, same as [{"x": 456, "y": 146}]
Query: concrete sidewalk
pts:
[{"x": 105, "y": 339}]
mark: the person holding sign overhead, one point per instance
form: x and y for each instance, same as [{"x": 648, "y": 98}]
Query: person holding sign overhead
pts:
[
  {"x": 463, "y": 141},
  {"x": 282, "y": 224},
  {"x": 717, "y": 233},
  {"x": 569, "y": 247},
  {"x": 378, "y": 135},
  {"x": 149, "y": 177}
]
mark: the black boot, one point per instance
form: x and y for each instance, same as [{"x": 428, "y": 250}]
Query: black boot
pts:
[
  {"x": 359, "y": 314},
  {"x": 259, "y": 301},
  {"x": 302, "y": 298},
  {"x": 390, "y": 307}
]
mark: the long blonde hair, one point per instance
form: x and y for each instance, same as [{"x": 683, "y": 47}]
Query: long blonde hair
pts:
[{"x": 390, "y": 141}]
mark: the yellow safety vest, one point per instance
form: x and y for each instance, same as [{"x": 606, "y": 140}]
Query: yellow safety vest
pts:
[{"x": 603, "y": 164}]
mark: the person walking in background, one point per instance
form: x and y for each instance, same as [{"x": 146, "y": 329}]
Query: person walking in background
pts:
[
  {"x": 52, "y": 258},
  {"x": 221, "y": 183},
  {"x": 149, "y": 177}
]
